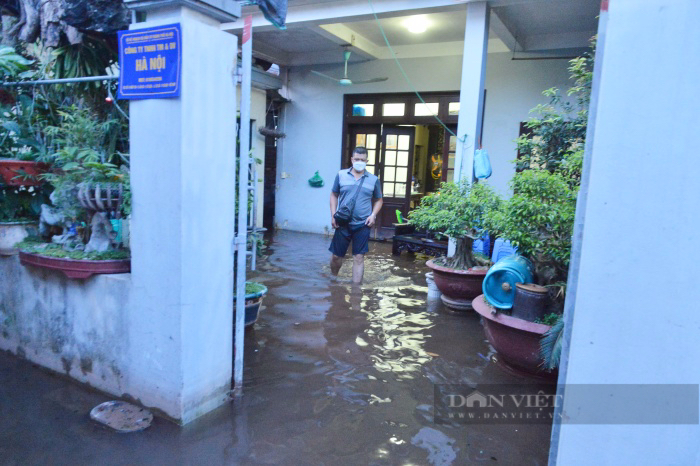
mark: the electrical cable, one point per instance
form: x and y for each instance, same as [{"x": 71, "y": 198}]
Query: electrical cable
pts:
[{"x": 413, "y": 88}]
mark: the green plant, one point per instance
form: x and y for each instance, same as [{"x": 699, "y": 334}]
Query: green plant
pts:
[
  {"x": 560, "y": 127},
  {"x": 539, "y": 217},
  {"x": 21, "y": 203},
  {"x": 539, "y": 220},
  {"x": 457, "y": 210},
  {"x": 253, "y": 287},
  {"x": 56, "y": 250},
  {"x": 548, "y": 319},
  {"x": 551, "y": 344},
  {"x": 82, "y": 157},
  {"x": 12, "y": 63}
]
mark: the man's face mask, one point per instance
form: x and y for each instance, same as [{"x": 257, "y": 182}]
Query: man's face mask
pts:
[{"x": 359, "y": 166}]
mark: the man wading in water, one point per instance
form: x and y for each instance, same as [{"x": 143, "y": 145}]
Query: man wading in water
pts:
[{"x": 345, "y": 189}]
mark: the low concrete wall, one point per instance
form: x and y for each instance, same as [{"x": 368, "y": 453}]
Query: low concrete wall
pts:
[{"x": 75, "y": 327}]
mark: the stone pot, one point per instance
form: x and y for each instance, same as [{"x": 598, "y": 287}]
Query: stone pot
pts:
[
  {"x": 516, "y": 341},
  {"x": 12, "y": 171},
  {"x": 531, "y": 301},
  {"x": 100, "y": 197},
  {"x": 458, "y": 287},
  {"x": 12, "y": 233}
]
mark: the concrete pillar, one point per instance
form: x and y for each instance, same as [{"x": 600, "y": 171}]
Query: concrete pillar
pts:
[
  {"x": 471, "y": 92},
  {"x": 183, "y": 181},
  {"x": 636, "y": 318},
  {"x": 476, "y": 39}
]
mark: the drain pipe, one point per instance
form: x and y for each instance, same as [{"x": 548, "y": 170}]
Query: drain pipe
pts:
[
  {"x": 242, "y": 230},
  {"x": 581, "y": 203}
]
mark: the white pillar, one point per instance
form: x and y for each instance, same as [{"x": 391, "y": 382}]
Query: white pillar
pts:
[
  {"x": 471, "y": 93},
  {"x": 183, "y": 179},
  {"x": 471, "y": 97},
  {"x": 636, "y": 318}
]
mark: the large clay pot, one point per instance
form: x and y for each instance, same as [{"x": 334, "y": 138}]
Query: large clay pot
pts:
[
  {"x": 12, "y": 233},
  {"x": 516, "y": 341},
  {"x": 76, "y": 268},
  {"x": 21, "y": 172},
  {"x": 458, "y": 287}
]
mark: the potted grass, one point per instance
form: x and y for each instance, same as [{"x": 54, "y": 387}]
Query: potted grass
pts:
[{"x": 458, "y": 211}]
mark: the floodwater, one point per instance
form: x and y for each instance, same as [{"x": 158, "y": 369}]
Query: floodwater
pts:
[{"x": 334, "y": 374}]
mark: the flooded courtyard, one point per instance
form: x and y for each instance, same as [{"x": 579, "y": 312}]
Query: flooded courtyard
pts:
[{"x": 334, "y": 374}]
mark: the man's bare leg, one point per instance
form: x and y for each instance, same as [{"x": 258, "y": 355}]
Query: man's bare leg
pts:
[
  {"x": 336, "y": 262},
  {"x": 358, "y": 268}
]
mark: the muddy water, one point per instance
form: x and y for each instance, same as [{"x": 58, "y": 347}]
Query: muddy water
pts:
[{"x": 335, "y": 374}]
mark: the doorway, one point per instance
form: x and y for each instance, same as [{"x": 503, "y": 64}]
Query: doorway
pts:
[
  {"x": 409, "y": 152},
  {"x": 390, "y": 153}
]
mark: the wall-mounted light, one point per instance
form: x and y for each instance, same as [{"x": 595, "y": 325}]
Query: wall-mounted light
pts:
[{"x": 417, "y": 24}]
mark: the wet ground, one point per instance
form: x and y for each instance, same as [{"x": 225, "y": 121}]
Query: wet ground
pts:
[{"x": 335, "y": 375}]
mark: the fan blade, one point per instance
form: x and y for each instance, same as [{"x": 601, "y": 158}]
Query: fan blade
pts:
[
  {"x": 367, "y": 81},
  {"x": 325, "y": 76}
]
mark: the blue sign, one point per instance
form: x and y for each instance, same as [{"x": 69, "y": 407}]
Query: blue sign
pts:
[{"x": 149, "y": 62}]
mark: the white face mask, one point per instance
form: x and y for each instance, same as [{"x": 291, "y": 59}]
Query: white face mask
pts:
[{"x": 359, "y": 166}]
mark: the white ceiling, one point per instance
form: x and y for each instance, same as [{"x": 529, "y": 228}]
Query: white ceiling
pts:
[{"x": 317, "y": 29}]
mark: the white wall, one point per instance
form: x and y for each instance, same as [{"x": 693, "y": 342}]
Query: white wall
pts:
[
  {"x": 314, "y": 121},
  {"x": 636, "y": 318},
  {"x": 183, "y": 181}
]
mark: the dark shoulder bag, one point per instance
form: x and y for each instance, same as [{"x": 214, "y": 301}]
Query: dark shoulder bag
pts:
[{"x": 343, "y": 215}]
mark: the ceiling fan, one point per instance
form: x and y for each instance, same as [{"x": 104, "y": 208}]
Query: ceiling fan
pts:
[{"x": 345, "y": 81}]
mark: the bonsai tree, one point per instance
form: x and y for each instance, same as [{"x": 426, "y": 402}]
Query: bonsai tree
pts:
[
  {"x": 83, "y": 157},
  {"x": 458, "y": 211},
  {"x": 539, "y": 220}
]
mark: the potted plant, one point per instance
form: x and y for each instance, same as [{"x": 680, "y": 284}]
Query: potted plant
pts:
[
  {"x": 19, "y": 214},
  {"x": 457, "y": 210},
  {"x": 88, "y": 189},
  {"x": 19, "y": 148},
  {"x": 539, "y": 220},
  {"x": 254, "y": 294}
]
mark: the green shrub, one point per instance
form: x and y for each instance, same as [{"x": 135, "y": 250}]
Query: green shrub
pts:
[{"x": 458, "y": 211}]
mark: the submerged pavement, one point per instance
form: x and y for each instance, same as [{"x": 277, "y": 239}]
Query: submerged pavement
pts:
[{"x": 335, "y": 375}]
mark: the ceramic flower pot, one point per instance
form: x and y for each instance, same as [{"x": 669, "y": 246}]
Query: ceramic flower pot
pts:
[
  {"x": 516, "y": 341},
  {"x": 253, "y": 302},
  {"x": 21, "y": 172},
  {"x": 458, "y": 287}
]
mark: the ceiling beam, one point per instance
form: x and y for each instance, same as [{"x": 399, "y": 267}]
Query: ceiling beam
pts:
[
  {"x": 442, "y": 49},
  {"x": 347, "y": 11},
  {"x": 503, "y": 33},
  {"x": 341, "y": 34},
  {"x": 564, "y": 40}
]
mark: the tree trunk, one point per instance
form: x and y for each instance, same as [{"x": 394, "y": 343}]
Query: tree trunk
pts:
[
  {"x": 463, "y": 258},
  {"x": 50, "y": 19}
]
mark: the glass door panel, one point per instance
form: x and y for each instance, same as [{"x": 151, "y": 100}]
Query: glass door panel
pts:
[{"x": 367, "y": 137}]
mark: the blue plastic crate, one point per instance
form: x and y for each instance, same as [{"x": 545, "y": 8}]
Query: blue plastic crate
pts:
[
  {"x": 502, "y": 248},
  {"x": 482, "y": 245}
]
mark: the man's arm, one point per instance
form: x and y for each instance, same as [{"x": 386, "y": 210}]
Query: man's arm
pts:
[
  {"x": 375, "y": 210},
  {"x": 334, "y": 207}
]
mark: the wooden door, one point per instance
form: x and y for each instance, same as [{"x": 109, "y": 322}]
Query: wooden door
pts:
[
  {"x": 449, "y": 150},
  {"x": 395, "y": 170}
]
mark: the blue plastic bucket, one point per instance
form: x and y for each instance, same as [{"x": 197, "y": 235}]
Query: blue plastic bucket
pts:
[{"x": 499, "y": 283}]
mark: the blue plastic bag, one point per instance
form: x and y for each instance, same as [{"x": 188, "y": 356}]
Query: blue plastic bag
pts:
[{"x": 482, "y": 164}]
